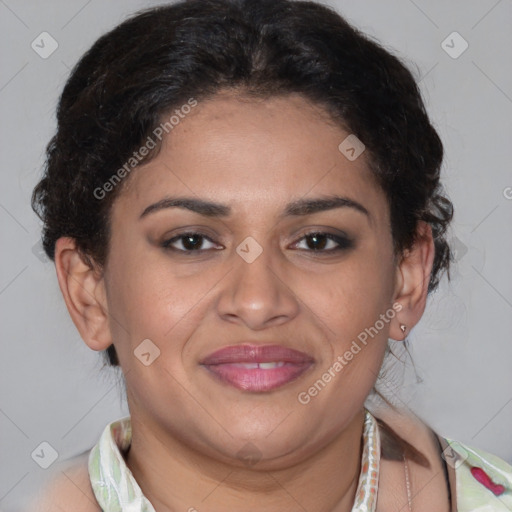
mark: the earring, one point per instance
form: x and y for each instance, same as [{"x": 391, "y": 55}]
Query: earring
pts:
[{"x": 403, "y": 328}]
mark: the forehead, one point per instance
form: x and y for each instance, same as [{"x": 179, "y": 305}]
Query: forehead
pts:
[{"x": 253, "y": 153}]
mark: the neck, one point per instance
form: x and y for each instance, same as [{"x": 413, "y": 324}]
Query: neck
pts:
[{"x": 175, "y": 476}]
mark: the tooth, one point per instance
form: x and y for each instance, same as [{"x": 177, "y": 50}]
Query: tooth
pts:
[
  {"x": 263, "y": 366},
  {"x": 269, "y": 366}
]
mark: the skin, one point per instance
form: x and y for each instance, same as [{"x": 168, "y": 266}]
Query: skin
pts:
[{"x": 254, "y": 156}]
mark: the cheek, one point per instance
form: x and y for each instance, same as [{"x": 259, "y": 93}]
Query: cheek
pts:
[
  {"x": 149, "y": 299},
  {"x": 353, "y": 305},
  {"x": 353, "y": 294}
]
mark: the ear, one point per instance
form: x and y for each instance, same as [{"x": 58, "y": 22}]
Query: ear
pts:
[
  {"x": 83, "y": 288},
  {"x": 412, "y": 280}
]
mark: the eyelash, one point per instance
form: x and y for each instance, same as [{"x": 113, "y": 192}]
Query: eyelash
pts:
[{"x": 344, "y": 243}]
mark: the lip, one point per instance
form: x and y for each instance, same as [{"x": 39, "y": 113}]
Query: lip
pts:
[{"x": 234, "y": 365}]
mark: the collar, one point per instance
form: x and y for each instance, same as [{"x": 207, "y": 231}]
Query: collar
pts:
[
  {"x": 478, "y": 481},
  {"x": 115, "y": 487},
  {"x": 112, "y": 481}
]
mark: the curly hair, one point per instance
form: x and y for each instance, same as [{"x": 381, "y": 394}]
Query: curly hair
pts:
[{"x": 133, "y": 76}]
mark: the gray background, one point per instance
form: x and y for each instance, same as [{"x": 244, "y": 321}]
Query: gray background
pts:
[{"x": 52, "y": 386}]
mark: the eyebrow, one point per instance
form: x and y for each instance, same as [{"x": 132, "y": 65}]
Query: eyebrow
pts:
[{"x": 300, "y": 207}]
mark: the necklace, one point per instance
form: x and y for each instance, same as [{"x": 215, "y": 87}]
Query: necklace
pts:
[
  {"x": 368, "y": 486},
  {"x": 408, "y": 484}
]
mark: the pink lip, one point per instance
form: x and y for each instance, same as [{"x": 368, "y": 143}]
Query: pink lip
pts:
[{"x": 227, "y": 365}]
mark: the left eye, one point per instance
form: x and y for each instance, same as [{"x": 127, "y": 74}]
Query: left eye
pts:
[{"x": 319, "y": 242}]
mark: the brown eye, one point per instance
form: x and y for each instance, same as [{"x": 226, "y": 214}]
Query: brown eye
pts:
[
  {"x": 325, "y": 242},
  {"x": 189, "y": 242}
]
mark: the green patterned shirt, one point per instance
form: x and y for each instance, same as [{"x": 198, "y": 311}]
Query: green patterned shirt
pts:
[{"x": 483, "y": 481}]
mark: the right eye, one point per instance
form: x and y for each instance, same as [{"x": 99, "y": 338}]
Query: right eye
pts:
[{"x": 190, "y": 242}]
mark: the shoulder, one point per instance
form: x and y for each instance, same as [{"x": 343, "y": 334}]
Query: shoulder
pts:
[
  {"x": 68, "y": 488},
  {"x": 479, "y": 481},
  {"x": 427, "y": 478},
  {"x": 483, "y": 480}
]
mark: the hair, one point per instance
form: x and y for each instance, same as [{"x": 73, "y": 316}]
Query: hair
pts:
[{"x": 156, "y": 61}]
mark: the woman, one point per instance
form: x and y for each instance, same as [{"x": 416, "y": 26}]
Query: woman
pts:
[{"x": 243, "y": 204}]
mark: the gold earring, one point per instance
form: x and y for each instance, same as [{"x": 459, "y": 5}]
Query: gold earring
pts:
[{"x": 403, "y": 328}]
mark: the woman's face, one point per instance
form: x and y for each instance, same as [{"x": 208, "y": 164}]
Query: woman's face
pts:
[{"x": 251, "y": 275}]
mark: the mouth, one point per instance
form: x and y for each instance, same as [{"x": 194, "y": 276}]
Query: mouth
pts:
[{"x": 257, "y": 368}]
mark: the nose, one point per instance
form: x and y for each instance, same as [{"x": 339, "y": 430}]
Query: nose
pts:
[{"x": 257, "y": 294}]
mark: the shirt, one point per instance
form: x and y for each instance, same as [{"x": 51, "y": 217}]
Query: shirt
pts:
[{"x": 481, "y": 482}]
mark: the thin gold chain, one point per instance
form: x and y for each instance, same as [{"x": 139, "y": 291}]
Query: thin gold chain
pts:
[{"x": 408, "y": 484}]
